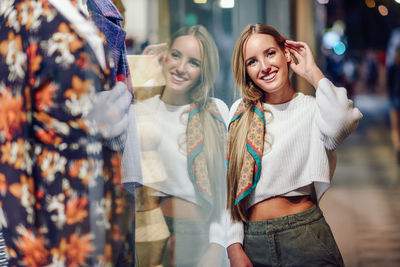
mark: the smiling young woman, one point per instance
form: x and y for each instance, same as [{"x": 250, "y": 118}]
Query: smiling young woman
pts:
[
  {"x": 185, "y": 129},
  {"x": 281, "y": 151}
]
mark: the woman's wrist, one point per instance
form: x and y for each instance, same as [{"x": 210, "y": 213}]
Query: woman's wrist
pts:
[
  {"x": 233, "y": 249},
  {"x": 316, "y": 76}
]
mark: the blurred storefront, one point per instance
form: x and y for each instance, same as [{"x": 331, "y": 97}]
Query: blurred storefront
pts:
[
  {"x": 152, "y": 21},
  {"x": 354, "y": 42}
]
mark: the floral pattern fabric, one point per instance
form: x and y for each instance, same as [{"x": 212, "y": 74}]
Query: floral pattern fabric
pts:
[{"x": 61, "y": 198}]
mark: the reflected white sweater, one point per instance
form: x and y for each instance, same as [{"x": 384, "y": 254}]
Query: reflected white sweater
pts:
[
  {"x": 162, "y": 129},
  {"x": 300, "y": 144}
]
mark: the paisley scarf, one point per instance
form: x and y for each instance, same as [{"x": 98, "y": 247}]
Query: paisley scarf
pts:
[
  {"x": 196, "y": 160},
  {"x": 251, "y": 168}
]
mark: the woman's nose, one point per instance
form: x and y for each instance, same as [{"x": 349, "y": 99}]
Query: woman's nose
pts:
[
  {"x": 265, "y": 66},
  {"x": 180, "y": 67}
]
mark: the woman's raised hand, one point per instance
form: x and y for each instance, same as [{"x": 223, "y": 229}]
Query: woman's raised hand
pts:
[
  {"x": 155, "y": 49},
  {"x": 305, "y": 66},
  {"x": 158, "y": 50}
]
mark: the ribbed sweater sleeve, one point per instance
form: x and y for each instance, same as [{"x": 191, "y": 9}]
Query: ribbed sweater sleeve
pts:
[
  {"x": 235, "y": 233},
  {"x": 336, "y": 115},
  {"x": 218, "y": 233}
]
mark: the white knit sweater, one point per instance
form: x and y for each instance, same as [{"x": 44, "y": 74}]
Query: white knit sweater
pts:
[
  {"x": 162, "y": 132},
  {"x": 300, "y": 144}
]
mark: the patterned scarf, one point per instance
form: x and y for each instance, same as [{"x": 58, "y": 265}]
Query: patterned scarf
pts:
[
  {"x": 251, "y": 168},
  {"x": 196, "y": 160}
]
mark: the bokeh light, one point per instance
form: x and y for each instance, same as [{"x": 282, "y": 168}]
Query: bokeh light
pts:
[
  {"x": 397, "y": 1},
  {"x": 330, "y": 39},
  {"x": 339, "y": 27},
  {"x": 200, "y": 1},
  {"x": 191, "y": 19},
  {"x": 370, "y": 3},
  {"x": 227, "y": 3},
  {"x": 339, "y": 48},
  {"x": 383, "y": 10},
  {"x": 324, "y": 2}
]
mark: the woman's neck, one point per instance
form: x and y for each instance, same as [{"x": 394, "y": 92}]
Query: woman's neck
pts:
[
  {"x": 177, "y": 99},
  {"x": 281, "y": 96}
]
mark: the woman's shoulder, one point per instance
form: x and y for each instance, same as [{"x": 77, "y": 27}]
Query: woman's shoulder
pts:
[
  {"x": 234, "y": 107},
  {"x": 236, "y": 104},
  {"x": 147, "y": 105},
  {"x": 305, "y": 98},
  {"x": 219, "y": 103},
  {"x": 222, "y": 107}
]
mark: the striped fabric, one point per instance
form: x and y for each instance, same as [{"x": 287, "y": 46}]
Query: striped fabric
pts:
[{"x": 3, "y": 254}]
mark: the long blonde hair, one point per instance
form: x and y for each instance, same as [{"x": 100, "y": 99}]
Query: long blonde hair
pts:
[
  {"x": 237, "y": 136},
  {"x": 214, "y": 138}
]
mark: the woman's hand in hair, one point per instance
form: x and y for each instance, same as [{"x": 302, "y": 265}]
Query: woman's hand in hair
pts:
[
  {"x": 158, "y": 50},
  {"x": 237, "y": 256},
  {"x": 304, "y": 65}
]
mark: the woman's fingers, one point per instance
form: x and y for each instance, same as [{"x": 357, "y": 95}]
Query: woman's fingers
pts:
[
  {"x": 298, "y": 46},
  {"x": 295, "y": 43},
  {"x": 295, "y": 52},
  {"x": 155, "y": 49}
]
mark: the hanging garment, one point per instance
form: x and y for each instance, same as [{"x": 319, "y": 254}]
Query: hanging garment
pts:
[
  {"x": 62, "y": 200},
  {"x": 108, "y": 19}
]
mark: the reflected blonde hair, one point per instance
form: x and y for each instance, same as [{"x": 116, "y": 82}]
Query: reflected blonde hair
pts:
[
  {"x": 237, "y": 136},
  {"x": 214, "y": 138}
]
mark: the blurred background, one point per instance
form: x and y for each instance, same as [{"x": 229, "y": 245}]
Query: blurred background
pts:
[{"x": 354, "y": 43}]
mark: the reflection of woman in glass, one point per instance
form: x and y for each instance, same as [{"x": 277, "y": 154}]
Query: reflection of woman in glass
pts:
[
  {"x": 189, "y": 128},
  {"x": 281, "y": 151}
]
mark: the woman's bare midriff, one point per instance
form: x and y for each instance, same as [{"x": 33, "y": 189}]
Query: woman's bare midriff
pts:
[
  {"x": 279, "y": 206},
  {"x": 179, "y": 208}
]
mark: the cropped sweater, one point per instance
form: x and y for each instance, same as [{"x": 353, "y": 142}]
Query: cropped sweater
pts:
[
  {"x": 162, "y": 132},
  {"x": 300, "y": 142}
]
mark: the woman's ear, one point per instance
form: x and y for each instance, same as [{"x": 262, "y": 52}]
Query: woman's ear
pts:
[
  {"x": 161, "y": 59},
  {"x": 287, "y": 54}
]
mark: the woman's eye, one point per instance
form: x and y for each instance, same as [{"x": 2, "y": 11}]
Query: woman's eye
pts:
[
  {"x": 175, "y": 54},
  {"x": 251, "y": 62},
  {"x": 195, "y": 63},
  {"x": 271, "y": 53}
]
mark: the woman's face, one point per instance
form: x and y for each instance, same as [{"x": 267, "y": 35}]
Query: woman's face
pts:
[
  {"x": 266, "y": 63},
  {"x": 182, "y": 66}
]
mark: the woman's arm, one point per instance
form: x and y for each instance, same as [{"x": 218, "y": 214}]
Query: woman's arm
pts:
[{"x": 337, "y": 117}]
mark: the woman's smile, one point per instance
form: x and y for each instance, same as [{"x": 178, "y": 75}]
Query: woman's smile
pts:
[
  {"x": 270, "y": 77},
  {"x": 177, "y": 78}
]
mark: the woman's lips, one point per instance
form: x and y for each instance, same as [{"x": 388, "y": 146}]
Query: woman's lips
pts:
[
  {"x": 177, "y": 78},
  {"x": 269, "y": 77}
]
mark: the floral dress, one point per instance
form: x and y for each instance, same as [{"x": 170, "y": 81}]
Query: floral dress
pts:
[{"x": 61, "y": 199}]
